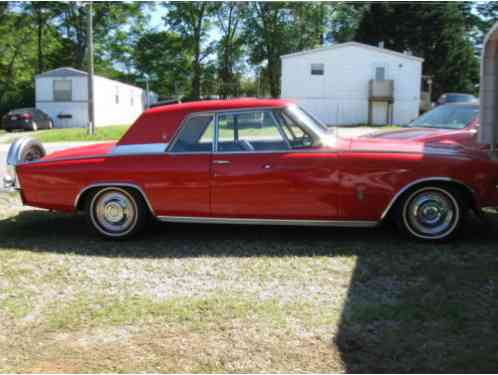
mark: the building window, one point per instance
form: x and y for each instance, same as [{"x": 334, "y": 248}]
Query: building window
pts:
[
  {"x": 380, "y": 73},
  {"x": 63, "y": 90},
  {"x": 116, "y": 96},
  {"x": 317, "y": 69}
]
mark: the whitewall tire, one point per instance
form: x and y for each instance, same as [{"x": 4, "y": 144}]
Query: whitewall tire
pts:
[
  {"x": 431, "y": 213},
  {"x": 117, "y": 213}
]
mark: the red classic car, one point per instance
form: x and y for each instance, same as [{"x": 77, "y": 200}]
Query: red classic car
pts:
[
  {"x": 455, "y": 122},
  {"x": 251, "y": 161}
]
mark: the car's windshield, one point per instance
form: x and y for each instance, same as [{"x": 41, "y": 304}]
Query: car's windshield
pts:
[{"x": 447, "y": 117}]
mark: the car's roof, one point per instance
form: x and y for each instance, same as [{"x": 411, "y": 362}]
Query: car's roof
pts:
[
  {"x": 461, "y": 104},
  {"x": 159, "y": 124},
  {"x": 22, "y": 109},
  {"x": 458, "y": 93},
  {"x": 217, "y": 105}
]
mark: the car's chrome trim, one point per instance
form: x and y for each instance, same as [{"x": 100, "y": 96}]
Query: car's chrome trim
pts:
[
  {"x": 420, "y": 181},
  {"x": 139, "y": 149},
  {"x": 223, "y": 220},
  {"x": 111, "y": 184},
  {"x": 10, "y": 192},
  {"x": 16, "y": 148}
]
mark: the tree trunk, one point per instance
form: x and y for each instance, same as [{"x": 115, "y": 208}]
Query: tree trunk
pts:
[
  {"x": 39, "y": 20},
  {"x": 196, "y": 71},
  {"x": 196, "y": 64}
]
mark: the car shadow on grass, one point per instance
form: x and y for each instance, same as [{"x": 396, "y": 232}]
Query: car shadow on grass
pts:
[
  {"x": 40, "y": 231},
  {"x": 411, "y": 306}
]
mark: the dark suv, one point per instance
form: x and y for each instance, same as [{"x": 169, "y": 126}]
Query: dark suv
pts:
[{"x": 26, "y": 119}]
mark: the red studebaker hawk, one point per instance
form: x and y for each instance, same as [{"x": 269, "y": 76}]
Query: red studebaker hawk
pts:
[{"x": 251, "y": 161}]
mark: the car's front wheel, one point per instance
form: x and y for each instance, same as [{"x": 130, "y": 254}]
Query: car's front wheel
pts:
[
  {"x": 117, "y": 213},
  {"x": 431, "y": 213}
]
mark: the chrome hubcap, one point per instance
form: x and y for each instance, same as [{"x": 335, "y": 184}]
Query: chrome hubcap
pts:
[
  {"x": 431, "y": 213},
  {"x": 115, "y": 212}
]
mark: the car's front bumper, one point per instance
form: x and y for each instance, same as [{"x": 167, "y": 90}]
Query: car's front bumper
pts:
[
  {"x": 9, "y": 189},
  {"x": 10, "y": 192}
]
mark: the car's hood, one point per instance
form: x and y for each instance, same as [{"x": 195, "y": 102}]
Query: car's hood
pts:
[
  {"x": 387, "y": 145},
  {"x": 93, "y": 150},
  {"x": 419, "y": 134}
]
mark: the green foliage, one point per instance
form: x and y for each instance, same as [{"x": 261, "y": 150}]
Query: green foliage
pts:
[
  {"x": 192, "y": 21},
  {"x": 163, "y": 56},
  {"x": 229, "y": 48}
]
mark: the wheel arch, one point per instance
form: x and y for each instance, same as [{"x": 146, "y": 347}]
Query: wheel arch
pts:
[
  {"x": 466, "y": 191},
  {"x": 84, "y": 193}
]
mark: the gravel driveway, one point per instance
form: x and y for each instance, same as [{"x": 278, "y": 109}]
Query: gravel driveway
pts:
[{"x": 207, "y": 298}]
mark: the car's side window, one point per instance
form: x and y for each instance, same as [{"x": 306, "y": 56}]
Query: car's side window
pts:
[
  {"x": 196, "y": 135},
  {"x": 249, "y": 131}
]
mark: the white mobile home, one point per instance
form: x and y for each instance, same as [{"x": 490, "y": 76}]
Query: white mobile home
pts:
[
  {"x": 354, "y": 83},
  {"x": 63, "y": 94}
]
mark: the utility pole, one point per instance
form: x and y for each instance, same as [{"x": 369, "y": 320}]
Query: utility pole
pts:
[
  {"x": 147, "y": 90},
  {"x": 91, "y": 107}
]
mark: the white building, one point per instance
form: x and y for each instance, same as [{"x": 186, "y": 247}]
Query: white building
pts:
[
  {"x": 63, "y": 94},
  {"x": 333, "y": 83}
]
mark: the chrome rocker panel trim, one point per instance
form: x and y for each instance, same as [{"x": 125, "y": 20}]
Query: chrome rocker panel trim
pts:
[{"x": 221, "y": 220}]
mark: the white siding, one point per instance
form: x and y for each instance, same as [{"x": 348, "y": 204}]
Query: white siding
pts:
[
  {"x": 340, "y": 96},
  {"x": 107, "y": 111},
  {"x": 77, "y": 108}
]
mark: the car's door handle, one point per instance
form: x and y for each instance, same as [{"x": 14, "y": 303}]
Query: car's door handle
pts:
[
  {"x": 221, "y": 161},
  {"x": 267, "y": 166}
]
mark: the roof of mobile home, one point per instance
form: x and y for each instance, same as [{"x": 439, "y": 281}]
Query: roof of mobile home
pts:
[
  {"x": 352, "y": 44},
  {"x": 72, "y": 72}
]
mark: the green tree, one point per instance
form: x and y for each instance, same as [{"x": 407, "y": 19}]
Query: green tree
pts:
[
  {"x": 162, "y": 56},
  {"x": 41, "y": 14},
  {"x": 435, "y": 32},
  {"x": 269, "y": 30},
  {"x": 192, "y": 21},
  {"x": 17, "y": 58},
  {"x": 111, "y": 22},
  {"x": 229, "y": 48}
]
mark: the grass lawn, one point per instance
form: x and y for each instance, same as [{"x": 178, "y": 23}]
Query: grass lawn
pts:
[
  {"x": 200, "y": 298},
  {"x": 106, "y": 133}
]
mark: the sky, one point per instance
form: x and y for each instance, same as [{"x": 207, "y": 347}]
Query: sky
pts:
[{"x": 156, "y": 21}]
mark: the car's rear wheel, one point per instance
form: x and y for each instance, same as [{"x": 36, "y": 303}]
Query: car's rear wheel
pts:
[
  {"x": 117, "y": 213},
  {"x": 431, "y": 213}
]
